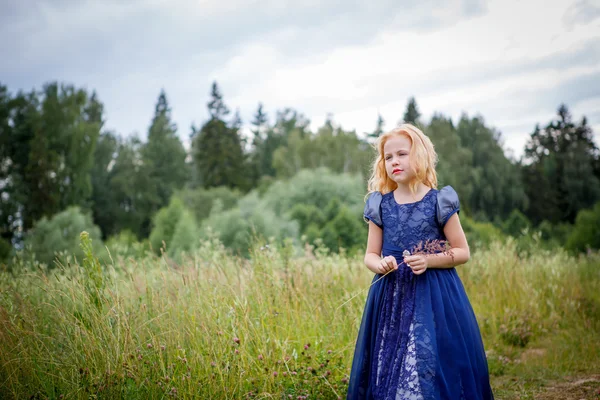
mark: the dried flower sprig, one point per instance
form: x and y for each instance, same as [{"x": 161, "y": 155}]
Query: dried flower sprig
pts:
[{"x": 429, "y": 247}]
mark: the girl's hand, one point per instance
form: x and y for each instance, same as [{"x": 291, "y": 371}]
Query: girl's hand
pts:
[
  {"x": 388, "y": 264},
  {"x": 417, "y": 263}
]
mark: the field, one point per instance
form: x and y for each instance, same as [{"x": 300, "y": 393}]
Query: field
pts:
[{"x": 276, "y": 325}]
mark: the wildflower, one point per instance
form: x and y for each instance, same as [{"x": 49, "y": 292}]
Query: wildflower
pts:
[
  {"x": 162, "y": 347},
  {"x": 260, "y": 357},
  {"x": 275, "y": 374},
  {"x": 328, "y": 351},
  {"x": 149, "y": 345},
  {"x": 237, "y": 351},
  {"x": 236, "y": 340}
]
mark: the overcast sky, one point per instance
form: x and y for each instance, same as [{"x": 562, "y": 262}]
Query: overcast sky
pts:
[{"x": 511, "y": 61}]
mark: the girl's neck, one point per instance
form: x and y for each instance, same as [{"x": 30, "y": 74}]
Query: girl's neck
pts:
[{"x": 403, "y": 191}]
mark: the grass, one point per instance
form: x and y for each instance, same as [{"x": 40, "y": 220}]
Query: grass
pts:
[{"x": 271, "y": 326}]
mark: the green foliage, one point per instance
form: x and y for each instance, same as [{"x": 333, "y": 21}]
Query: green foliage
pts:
[
  {"x": 163, "y": 156},
  {"x": 95, "y": 280},
  {"x": 217, "y": 149},
  {"x": 125, "y": 244},
  {"x": 480, "y": 234},
  {"x": 165, "y": 223},
  {"x": 496, "y": 187},
  {"x": 412, "y": 113},
  {"x": 307, "y": 214},
  {"x": 5, "y": 249},
  {"x": 219, "y": 157},
  {"x": 586, "y": 232},
  {"x": 344, "y": 230},
  {"x": 201, "y": 201},
  {"x": 516, "y": 224},
  {"x": 379, "y": 127},
  {"x": 316, "y": 187},
  {"x": 455, "y": 161},
  {"x": 186, "y": 236},
  {"x": 47, "y": 147},
  {"x": 61, "y": 234},
  {"x": 104, "y": 206},
  {"x": 561, "y": 171},
  {"x": 331, "y": 147},
  {"x": 555, "y": 235},
  {"x": 252, "y": 220}
]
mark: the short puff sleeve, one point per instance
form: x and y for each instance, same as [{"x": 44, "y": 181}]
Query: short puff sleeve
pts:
[
  {"x": 447, "y": 204},
  {"x": 373, "y": 209}
]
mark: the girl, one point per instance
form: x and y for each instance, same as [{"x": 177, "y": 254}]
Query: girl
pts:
[{"x": 419, "y": 338}]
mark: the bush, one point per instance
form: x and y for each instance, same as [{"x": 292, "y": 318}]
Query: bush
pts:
[
  {"x": 125, "y": 244},
  {"x": 317, "y": 188},
  {"x": 60, "y": 234},
  {"x": 516, "y": 224},
  {"x": 5, "y": 249},
  {"x": 480, "y": 234},
  {"x": 586, "y": 232},
  {"x": 237, "y": 228},
  {"x": 201, "y": 201}
]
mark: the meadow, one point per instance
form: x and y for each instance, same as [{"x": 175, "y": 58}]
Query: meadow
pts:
[{"x": 277, "y": 324}]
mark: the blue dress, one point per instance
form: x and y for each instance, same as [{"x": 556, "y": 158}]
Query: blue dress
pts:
[{"x": 419, "y": 338}]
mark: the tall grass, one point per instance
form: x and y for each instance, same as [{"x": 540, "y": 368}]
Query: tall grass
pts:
[{"x": 271, "y": 326}]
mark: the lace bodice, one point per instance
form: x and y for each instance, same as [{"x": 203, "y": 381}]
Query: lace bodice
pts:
[{"x": 406, "y": 225}]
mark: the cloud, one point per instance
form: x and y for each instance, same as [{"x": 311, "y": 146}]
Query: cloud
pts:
[
  {"x": 582, "y": 12},
  {"x": 512, "y": 62}
]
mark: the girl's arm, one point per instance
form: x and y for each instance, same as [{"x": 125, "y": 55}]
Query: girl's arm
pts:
[
  {"x": 457, "y": 254},
  {"x": 373, "y": 259}
]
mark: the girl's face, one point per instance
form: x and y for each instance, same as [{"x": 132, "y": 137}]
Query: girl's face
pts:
[{"x": 396, "y": 152}]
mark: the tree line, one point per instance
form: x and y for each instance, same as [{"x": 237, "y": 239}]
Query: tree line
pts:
[{"x": 55, "y": 153}]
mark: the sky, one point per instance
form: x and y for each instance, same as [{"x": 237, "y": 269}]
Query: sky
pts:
[{"x": 511, "y": 62}]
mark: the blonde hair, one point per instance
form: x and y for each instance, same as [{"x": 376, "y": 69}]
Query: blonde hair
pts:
[{"x": 423, "y": 160}]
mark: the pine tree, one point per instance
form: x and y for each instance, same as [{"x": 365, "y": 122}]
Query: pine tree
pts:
[
  {"x": 412, "y": 113},
  {"x": 163, "y": 155},
  {"x": 560, "y": 169},
  {"x": 378, "y": 128},
  {"x": 218, "y": 153}
]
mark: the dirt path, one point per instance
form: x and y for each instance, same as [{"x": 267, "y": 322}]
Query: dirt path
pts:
[{"x": 582, "y": 388}]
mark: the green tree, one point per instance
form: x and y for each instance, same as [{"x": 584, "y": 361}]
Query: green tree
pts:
[
  {"x": 560, "y": 169},
  {"x": 104, "y": 203},
  {"x": 48, "y": 143},
  {"x": 412, "y": 114},
  {"x": 163, "y": 155},
  {"x": 378, "y": 128},
  {"x": 586, "y": 232},
  {"x": 497, "y": 187},
  {"x": 218, "y": 152},
  {"x": 132, "y": 190},
  {"x": 455, "y": 162}
]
